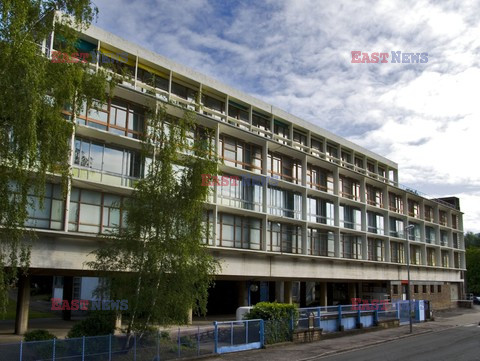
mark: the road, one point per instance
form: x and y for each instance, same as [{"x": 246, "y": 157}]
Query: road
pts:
[{"x": 457, "y": 344}]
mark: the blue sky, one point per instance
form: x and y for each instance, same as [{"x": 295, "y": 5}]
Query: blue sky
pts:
[{"x": 297, "y": 55}]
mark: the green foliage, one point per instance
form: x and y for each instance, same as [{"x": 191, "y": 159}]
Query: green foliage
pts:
[
  {"x": 161, "y": 266},
  {"x": 472, "y": 239},
  {"x": 98, "y": 323},
  {"x": 272, "y": 311},
  {"x": 34, "y": 135},
  {"x": 472, "y": 257},
  {"x": 38, "y": 335}
]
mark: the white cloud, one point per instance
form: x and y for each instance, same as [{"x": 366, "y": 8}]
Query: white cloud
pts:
[{"x": 296, "y": 55}]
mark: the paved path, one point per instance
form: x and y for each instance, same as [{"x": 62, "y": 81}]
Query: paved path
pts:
[{"x": 310, "y": 351}]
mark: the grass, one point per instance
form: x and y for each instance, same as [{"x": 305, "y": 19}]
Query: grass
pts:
[{"x": 12, "y": 309}]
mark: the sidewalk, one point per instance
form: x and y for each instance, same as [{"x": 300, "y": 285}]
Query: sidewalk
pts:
[{"x": 306, "y": 351}]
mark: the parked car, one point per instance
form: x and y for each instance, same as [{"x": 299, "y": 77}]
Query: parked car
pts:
[{"x": 476, "y": 300}]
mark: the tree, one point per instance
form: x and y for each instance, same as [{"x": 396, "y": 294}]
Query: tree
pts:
[
  {"x": 472, "y": 240},
  {"x": 34, "y": 135},
  {"x": 157, "y": 261},
  {"x": 472, "y": 256}
]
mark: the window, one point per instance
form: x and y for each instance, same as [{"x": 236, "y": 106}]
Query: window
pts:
[
  {"x": 374, "y": 196},
  {"x": 281, "y": 130},
  {"x": 346, "y": 159},
  {"x": 239, "y": 232},
  {"x": 350, "y": 217},
  {"x": 299, "y": 138},
  {"x": 376, "y": 249},
  {"x": 155, "y": 80},
  {"x": 359, "y": 165},
  {"x": 424, "y": 289},
  {"x": 414, "y": 234},
  {"x": 317, "y": 146},
  {"x": 321, "y": 243},
  {"x": 413, "y": 209},
  {"x": 50, "y": 215},
  {"x": 238, "y": 111},
  {"x": 320, "y": 211},
  {"x": 283, "y": 237},
  {"x": 442, "y": 218},
  {"x": 443, "y": 238},
  {"x": 455, "y": 240},
  {"x": 454, "y": 221},
  {"x": 332, "y": 153},
  {"x": 350, "y": 246},
  {"x": 213, "y": 103},
  {"x": 319, "y": 178},
  {"x": 432, "y": 289},
  {"x": 117, "y": 116},
  {"x": 415, "y": 255},
  {"x": 236, "y": 153},
  {"x": 429, "y": 235},
  {"x": 349, "y": 188},
  {"x": 371, "y": 169},
  {"x": 285, "y": 168},
  {"x": 431, "y": 257},
  {"x": 415, "y": 288},
  {"x": 375, "y": 223},
  {"x": 456, "y": 259},
  {"x": 209, "y": 226},
  {"x": 439, "y": 289},
  {"x": 382, "y": 173},
  {"x": 95, "y": 212},
  {"x": 285, "y": 203},
  {"x": 428, "y": 213},
  {"x": 395, "y": 289},
  {"x": 395, "y": 202},
  {"x": 183, "y": 92},
  {"x": 241, "y": 193},
  {"x": 397, "y": 252},
  {"x": 106, "y": 163},
  {"x": 261, "y": 121},
  {"x": 445, "y": 259},
  {"x": 396, "y": 227}
]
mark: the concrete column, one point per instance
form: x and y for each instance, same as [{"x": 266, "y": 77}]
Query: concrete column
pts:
[
  {"x": 242, "y": 292},
  {"x": 287, "y": 292},
  {"x": 323, "y": 293},
  {"x": 67, "y": 295},
  {"x": 279, "y": 291},
  {"x": 118, "y": 324},
  {"x": 23, "y": 305}
]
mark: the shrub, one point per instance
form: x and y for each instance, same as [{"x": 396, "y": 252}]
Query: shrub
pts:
[
  {"x": 96, "y": 324},
  {"x": 272, "y": 311},
  {"x": 38, "y": 335}
]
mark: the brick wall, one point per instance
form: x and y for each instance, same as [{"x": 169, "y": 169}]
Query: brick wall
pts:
[{"x": 438, "y": 294}]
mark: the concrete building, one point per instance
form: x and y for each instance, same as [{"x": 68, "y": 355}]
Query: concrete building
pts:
[{"x": 322, "y": 221}]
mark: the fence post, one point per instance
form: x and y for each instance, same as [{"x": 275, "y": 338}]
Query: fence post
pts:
[
  {"x": 53, "y": 351},
  {"x": 231, "y": 334},
  {"x": 262, "y": 333},
  {"x": 376, "y": 317},
  {"x": 246, "y": 331},
  {"x": 110, "y": 347},
  {"x": 83, "y": 348},
  {"x": 339, "y": 317},
  {"x": 359, "y": 316},
  {"x": 319, "y": 317},
  {"x": 21, "y": 350},
  {"x": 398, "y": 311},
  {"x": 179, "y": 343},
  {"x": 215, "y": 336}
]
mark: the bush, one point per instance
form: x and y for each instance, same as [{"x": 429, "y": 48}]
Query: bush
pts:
[
  {"x": 272, "y": 311},
  {"x": 96, "y": 324},
  {"x": 38, "y": 335}
]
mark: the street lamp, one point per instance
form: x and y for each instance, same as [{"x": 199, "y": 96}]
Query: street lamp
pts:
[{"x": 406, "y": 229}]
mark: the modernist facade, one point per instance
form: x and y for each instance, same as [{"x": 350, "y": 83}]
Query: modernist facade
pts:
[{"x": 322, "y": 222}]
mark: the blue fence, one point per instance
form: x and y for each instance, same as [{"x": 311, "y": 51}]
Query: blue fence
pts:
[{"x": 221, "y": 337}]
